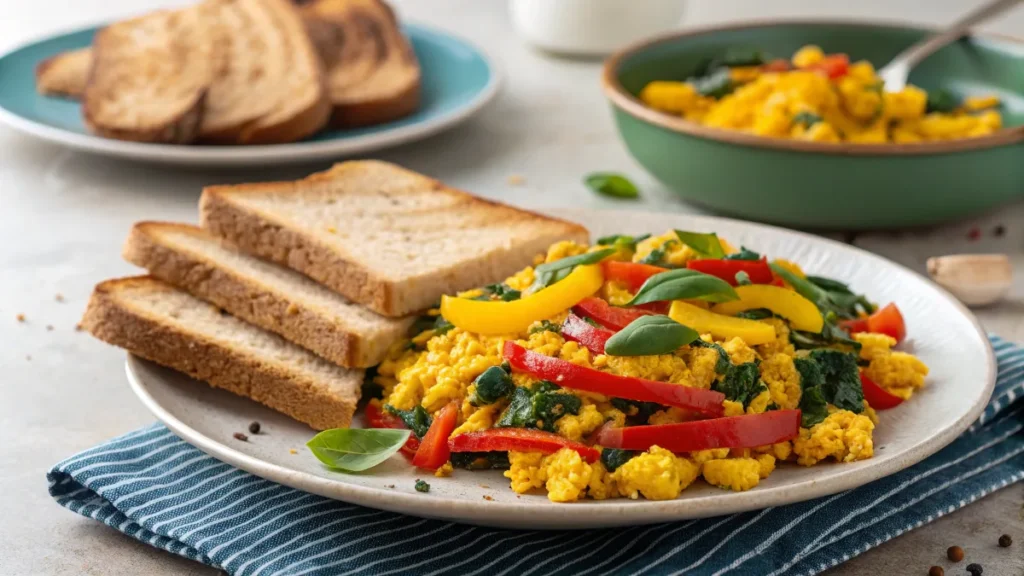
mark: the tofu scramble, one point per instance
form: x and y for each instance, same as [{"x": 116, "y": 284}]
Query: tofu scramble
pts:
[
  {"x": 640, "y": 365},
  {"x": 819, "y": 97}
]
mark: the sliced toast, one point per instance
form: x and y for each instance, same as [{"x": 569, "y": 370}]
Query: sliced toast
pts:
[
  {"x": 382, "y": 236},
  {"x": 153, "y": 320},
  {"x": 264, "y": 294},
  {"x": 372, "y": 72},
  {"x": 150, "y": 76},
  {"x": 64, "y": 74}
]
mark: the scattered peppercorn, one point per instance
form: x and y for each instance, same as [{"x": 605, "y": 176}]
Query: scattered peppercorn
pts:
[
  {"x": 975, "y": 569},
  {"x": 254, "y": 428},
  {"x": 973, "y": 234},
  {"x": 955, "y": 553},
  {"x": 1005, "y": 541},
  {"x": 999, "y": 230},
  {"x": 422, "y": 486},
  {"x": 936, "y": 571},
  {"x": 240, "y": 436}
]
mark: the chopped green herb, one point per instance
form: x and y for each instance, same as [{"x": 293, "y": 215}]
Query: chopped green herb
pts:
[
  {"x": 441, "y": 326},
  {"x": 480, "y": 460},
  {"x": 736, "y": 57},
  {"x": 707, "y": 245},
  {"x": 723, "y": 363},
  {"x": 716, "y": 83},
  {"x": 620, "y": 240},
  {"x": 808, "y": 119},
  {"x": 422, "y": 324},
  {"x": 417, "y": 419},
  {"x": 612, "y": 458},
  {"x": 539, "y": 407},
  {"x": 742, "y": 383},
  {"x": 636, "y": 412},
  {"x": 656, "y": 257},
  {"x": 941, "y": 101},
  {"x": 650, "y": 335},
  {"x": 592, "y": 322},
  {"x": 546, "y": 326},
  {"x": 610, "y": 184},
  {"x": 492, "y": 385},
  {"x": 503, "y": 292},
  {"x": 422, "y": 486},
  {"x": 371, "y": 389},
  {"x": 744, "y": 254},
  {"x": 742, "y": 278},
  {"x": 550, "y": 272},
  {"x": 756, "y": 314}
]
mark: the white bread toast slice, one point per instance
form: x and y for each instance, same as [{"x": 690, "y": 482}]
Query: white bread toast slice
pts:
[
  {"x": 64, "y": 74},
  {"x": 150, "y": 76},
  {"x": 264, "y": 294},
  {"x": 373, "y": 75},
  {"x": 153, "y": 320},
  {"x": 380, "y": 235}
]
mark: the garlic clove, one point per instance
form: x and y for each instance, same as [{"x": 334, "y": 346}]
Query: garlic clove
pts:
[{"x": 975, "y": 279}]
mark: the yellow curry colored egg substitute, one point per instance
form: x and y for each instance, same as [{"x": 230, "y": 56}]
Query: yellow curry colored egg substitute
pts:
[
  {"x": 754, "y": 356},
  {"x": 822, "y": 97}
]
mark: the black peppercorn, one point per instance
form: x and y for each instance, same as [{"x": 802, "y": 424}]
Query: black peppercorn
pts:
[
  {"x": 955, "y": 553},
  {"x": 254, "y": 428},
  {"x": 975, "y": 569},
  {"x": 1005, "y": 541}
]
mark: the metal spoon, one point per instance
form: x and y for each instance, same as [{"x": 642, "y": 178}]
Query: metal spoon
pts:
[{"x": 895, "y": 73}]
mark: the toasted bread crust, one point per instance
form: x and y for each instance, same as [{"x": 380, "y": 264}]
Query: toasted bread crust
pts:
[
  {"x": 266, "y": 236},
  {"x": 246, "y": 298},
  {"x": 64, "y": 74},
  {"x": 115, "y": 322}
]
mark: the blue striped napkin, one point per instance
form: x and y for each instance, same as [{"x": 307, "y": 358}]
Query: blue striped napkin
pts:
[{"x": 156, "y": 488}]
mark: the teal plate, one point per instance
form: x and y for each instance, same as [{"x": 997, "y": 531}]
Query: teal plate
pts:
[
  {"x": 458, "y": 79},
  {"x": 819, "y": 185}
]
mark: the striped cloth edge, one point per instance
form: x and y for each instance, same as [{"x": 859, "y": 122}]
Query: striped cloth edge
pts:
[{"x": 156, "y": 488}]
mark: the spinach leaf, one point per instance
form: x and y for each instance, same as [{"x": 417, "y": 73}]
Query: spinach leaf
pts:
[
  {"x": 422, "y": 324},
  {"x": 813, "y": 408},
  {"x": 539, "y": 407},
  {"x": 441, "y": 325},
  {"x": 683, "y": 284},
  {"x": 610, "y": 184},
  {"x": 480, "y": 460},
  {"x": 612, "y": 458},
  {"x": 636, "y": 412},
  {"x": 492, "y": 385},
  {"x": 546, "y": 326},
  {"x": 716, "y": 83},
  {"x": 744, "y": 254},
  {"x": 756, "y": 314},
  {"x": 356, "y": 449},
  {"x": 842, "y": 387},
  {"x": 742, "y": 383},
  {"x": 550, "y": 272},
  {"x": 839, "y": 300},
  {"x": 621, "y": 240},
  {"x": 723, "y": 363},
  {"x": 417, "y": 419},
  {"x": 808, "y": 119},
  {"x": 831, "y": 336},
  {"x": 735, "y": 57},
  {"x": 705, "y": 244},
  {"x": 650, "y": 335},
  {"x": 941, "y": 101},
  {"x": 503, "y": 292},
  {"x": 829, "y": 284}
]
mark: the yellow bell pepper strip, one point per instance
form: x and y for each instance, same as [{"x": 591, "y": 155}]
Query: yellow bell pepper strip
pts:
[
  {"x": 801, "y": 312},
  {"x": 494, "y": 317},
  {"x": 750, "y": 331}
]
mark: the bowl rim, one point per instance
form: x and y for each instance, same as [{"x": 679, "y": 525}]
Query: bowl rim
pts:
[{"x": 623, "y": 100}]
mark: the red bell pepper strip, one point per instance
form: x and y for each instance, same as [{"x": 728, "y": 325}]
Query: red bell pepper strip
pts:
[
  {"x": 433, "y": 451},
  {"x": 879, "y": 398},
  {"x": 377, "y": 418},
  {"x": 610, "y": 316},
  {"x": 632, "y": 274},
  {"x": 887, "y": 320},
  {"x": 758, "y": 270},
  {"x": 579, "y": 330},
  {"x": 520, "y": 440},
  {"x": 833, "y": 66},
  {"x": 564, "y": 373},
  {"x": 749, "y": 431}
]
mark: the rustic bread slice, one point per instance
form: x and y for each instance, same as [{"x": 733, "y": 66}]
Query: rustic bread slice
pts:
[
  {"x": 264, "y": 294},
  {"x": 372, "y": 72},
  {"x": 153, "y": 320},
  {"x": 385, "y": 237},
  {"x": 64, "y": 74},
  {"x": 150, "y": 76},
  {"x": 269, "y": 85}
]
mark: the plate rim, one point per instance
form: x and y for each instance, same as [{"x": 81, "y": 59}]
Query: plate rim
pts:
[
  {"x": 609, "y": 513},
  {"x": 294, "y": 152}
]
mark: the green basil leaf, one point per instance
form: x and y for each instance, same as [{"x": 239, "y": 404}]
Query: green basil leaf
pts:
[
  {"x": 683, "y": 284},
  {"x": 650, "y": 335},
  {"x": 356, "y": 449},
  {"x": 622, "y": 240},
  {"x": 808, "y": 119},
  {"x": 611, "y": 184},
  {"x": 706, "y": 244},
  {"x": 550, "y": 272}
]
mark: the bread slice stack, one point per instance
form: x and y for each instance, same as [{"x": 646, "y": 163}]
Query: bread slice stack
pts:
[
  {"x": 289, "y": 290},
  {"x": 240, "y": 72}
]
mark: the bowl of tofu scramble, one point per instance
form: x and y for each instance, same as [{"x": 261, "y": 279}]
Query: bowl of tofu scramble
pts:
[{"x": 788, "y": 122}]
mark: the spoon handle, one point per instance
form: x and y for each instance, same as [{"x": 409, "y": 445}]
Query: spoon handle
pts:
[{"x": 918, "y": 52}]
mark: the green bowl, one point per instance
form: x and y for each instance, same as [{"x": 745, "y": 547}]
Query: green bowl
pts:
[{"x": 819, "y": 185}]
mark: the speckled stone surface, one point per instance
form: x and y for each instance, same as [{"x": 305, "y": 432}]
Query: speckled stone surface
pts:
[{"x": 64, "y": 215}]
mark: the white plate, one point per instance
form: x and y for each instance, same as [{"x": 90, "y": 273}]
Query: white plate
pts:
[
  {"x": 941, "y": 332},
  {"x": 458, "y": 79}
]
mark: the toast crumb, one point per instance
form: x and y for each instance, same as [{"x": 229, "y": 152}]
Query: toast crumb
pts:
[
  {"x": 293, "y": 451},
  {"x": 20, "y": 317},
  {"x": 488, "y": 498},
  {"x": 78, "y": 327},
  {"x": 516, "y": 180},
  {"x": 49, "y": 327},
  {"x": 28, "y": 357},
  {"x": 59, "y": 297}
]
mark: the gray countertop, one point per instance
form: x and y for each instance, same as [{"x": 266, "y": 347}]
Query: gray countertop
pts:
[{"x": 64, "y": 215}]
